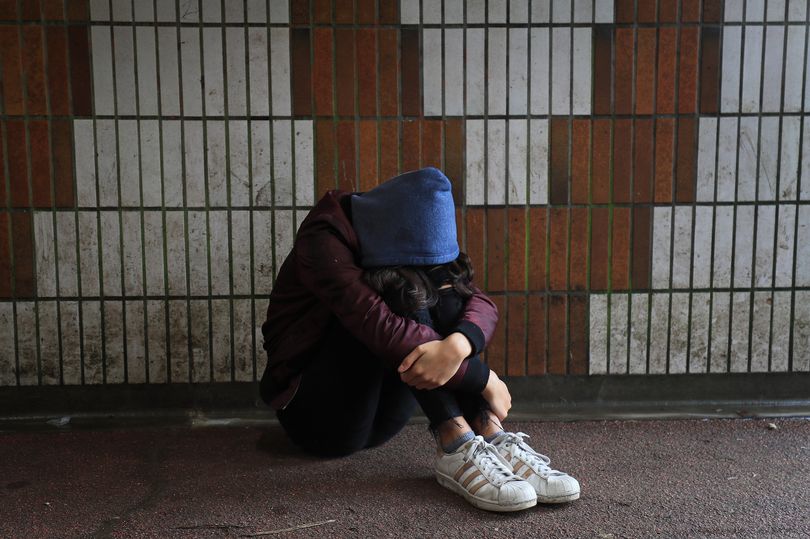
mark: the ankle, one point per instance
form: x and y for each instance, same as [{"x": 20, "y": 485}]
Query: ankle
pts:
[
  {"x": 487, "y": 425},
  {"x": 452, "y": 434}
]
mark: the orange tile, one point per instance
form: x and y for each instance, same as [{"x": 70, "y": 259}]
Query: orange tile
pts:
[
  {"x": 454, "y": 157},
  {"x": 389, "y": 148},
  {"x": 558, "y": 236},
  {"x": 643, "y": 154},
  {"x": 460, "y": 229},
  {"x": 40, "y": 164},
  {"x": 516, "y": 277},
  {"x": 664, "y": 149},
  {"x": 709, "y": 69},
  {"x": 301, "y": 71},
  {"x": 80, "y": 70},
  {"x": 559, "y": 161},
  {"x": 603, "y": 45},
  {"x": 496, "y": 350},
  {"x": 622, "y": 160},
  {"x": 56, "y": 39},
  {"x": 12, "y": 71},
  {"x": 322, "y": 11},
  {"x": 536, "y": 346},
  {"x": 496, "y": 249},
  {"x": 625, "y": 10},
  {"x": 623, "y": 97},
  {"x": 389, "y": 72},
  {"x": 17, "y": 164},
  {"x": 33, "y": 69},
  {"x": 344, "y": 71},
  {"x": 3, "y": 192},
  {"x": 367, "y": 71},
  {"x": 347, "y": 156},
  {"x": 557, "y": 352},
  {"x": 645, "y": 71},
  {"x": 620, "y": 249},
  {"x": 388, "y": 11},
  {"x": 299, "y": 11},
  {"x": 53, "y": 10},
  {"x": 578, "y": 332},
  {"x": 5, "y": 257},
  {"x": 411, "y": 96},
  {"x": 78, "y": 10},
  {"x": 580, "y": 161},
  {"x": 668, "y": 10},
  {"x": 368, "y": 154},
  {"x": 366, "y": 11},
  {"x": 22, "y": 236},
  {"x": 537, "y": 248},
  {"x": 667, "y": 54},
  {"x": 690, "y": 11},
  {"x": 474, "y": 242},
  {"x": 31, "y": 11},
  {"x": 600, "y": 230},
  {"x": 600, "y": 177},
  {"x": 8, "y": 10},
  {"x": 516, "y": 336},
  {"x": 646, "y": 11},
  {"x": 410, "y": 145},
  {"x": 324, "y": 156},
  {"x": 686, "y": 166},
  {"x": 578, "y": 256},
  {"x": 688, "y": 70},
  {"x": 431, "y": 143},
  {"x": 641, "y": 247},
  {"x": 322, "y": 71},
  {"x": 344, "y": 11},
  {"x": 62, "y": 163}
]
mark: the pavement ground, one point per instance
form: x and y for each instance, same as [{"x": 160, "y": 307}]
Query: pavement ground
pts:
[{"x": 741, "y": 478}]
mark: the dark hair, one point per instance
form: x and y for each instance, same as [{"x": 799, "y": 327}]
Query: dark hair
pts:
[{"x": 407, "y": 289}]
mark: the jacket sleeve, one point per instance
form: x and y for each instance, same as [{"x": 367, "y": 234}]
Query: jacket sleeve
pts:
[{"x": 478, "y": 321}]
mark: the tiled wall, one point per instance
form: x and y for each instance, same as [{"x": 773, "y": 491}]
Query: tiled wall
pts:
[{"x": 628, "y": 174}]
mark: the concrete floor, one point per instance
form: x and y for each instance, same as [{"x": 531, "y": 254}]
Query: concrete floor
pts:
[{"x": 663, "y": 478}]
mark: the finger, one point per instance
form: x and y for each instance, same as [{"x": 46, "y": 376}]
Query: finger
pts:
[{"x": 409, "y": 360}]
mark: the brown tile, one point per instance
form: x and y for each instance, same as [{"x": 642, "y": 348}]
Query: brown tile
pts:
[
  {"x": 410, "y": 145},
  {"x": 5, "y": 256},
  {"x": 558, "y": 247},
  {"x": 23, "y": 239},
  {"x": 496, "y": 350},
  {"x": 3, "y": 191},
  {"x": 56, "y": 39},
  {"x": 686, "y": 166},
  {"x": 366, "y": 11},
  {"x": 324, "y": 156},
  {"x": 368, "y": 154},
  {"x": 516, "y": 336},
  {"x": 623, "y": 100},
  {"x": 80, "y": 70},
  {"x": 34, "y": 69},
  {"x": 688, "y": 70},
  {"x": 559, "y": 161},
  {"x": 8, "y": 10},
  {"x": 643, "y": 154},
  {"x": 537, "y": 248},
  {"x": 62, "y": 162},
  {"x": 40, "y": 163},
  {"x": 77, "y": 10},
  {"x": 474, "y": 242},
  {"x": 603, "y": 54},
  {"x": 496, "y": 249},
  {"x": 322, "y": 71},
  {"x": 17, "y": 164},
  {"x": 516, "y": 277},
  {"x": 536, "y": 345},
  {"x": 641, "y": 247},
  {"x": 578, "y": 332},
  {"x": 690, "y": 11},
  {"x": 664, "y": 158},
  {"x": 347, "y": 156},
  {"x": 431, "y": 143},
  {"x": 600, "y": 177},
  {"x": 344, "y": 71},
  {"x": 557, "y": 353},
  {"x": 712, "y": 11},
  {"x": 578, "y": 257},
  {"x": 367, "y": 71},
  {"x": 409, "y": 47},
  {"x": 301, "y": 71},
  {"x": 53, "y": 10},
  {"x": 645, "y": 71},
  {"x": 646, "y": 11},
  {"x": 389, "y": 71},
  {"x": 344, "y": 11},
  {"x": 454, "y": 157},
  {"x": 31, "y": 11},
  {"x": 599, "y": 248},
  {"x": 625, "y": 10},
  {"x": 460, "y": 229},
  {"x": 12, "y": 71},
  {"x": 322, "y": 11},
  {"x": 709, "y": 69},
  {"x": 299, "y": 11},
  {"x": 620, "y": 249},
  {"x": 667, "y": 54},
  {"x": 622, "y": 160},
  {"x": 389, "y": 148},
  {"x": 388, "y": 11},
  {"x": 580, "y": 161},
  {"x": 668, "y": 10}
]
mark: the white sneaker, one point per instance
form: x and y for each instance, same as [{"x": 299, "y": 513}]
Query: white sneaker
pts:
[
  {"x": 479, "y": 473},
  {"x": 552, "y": 486}
]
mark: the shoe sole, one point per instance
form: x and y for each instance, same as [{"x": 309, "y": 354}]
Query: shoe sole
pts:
[
  {"x": 451, "y": 484},
  {"x": 558, "y": 499}
]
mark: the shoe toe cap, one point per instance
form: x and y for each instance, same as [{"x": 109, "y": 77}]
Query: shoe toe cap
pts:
[
  {"x": 515, "y": 492},
  {"x": 562, "y": 485}
]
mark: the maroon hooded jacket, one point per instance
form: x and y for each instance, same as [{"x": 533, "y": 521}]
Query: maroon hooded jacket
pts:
[{"x": 321, "y": 282}]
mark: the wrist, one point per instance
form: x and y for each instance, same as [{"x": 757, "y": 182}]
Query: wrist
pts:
[
  {"x": 461, "y": 345},
  {"x": 491, "y": 381}
]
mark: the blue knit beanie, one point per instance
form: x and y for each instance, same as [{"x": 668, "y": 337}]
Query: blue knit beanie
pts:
[{"x": 409, "y": 220}]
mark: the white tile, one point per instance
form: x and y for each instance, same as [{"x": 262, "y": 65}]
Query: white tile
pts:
[
  {"x": 721, "y": 313},
  {"x": 300, "y": 215},
  {"x": 561, "y": 11},
  {"x": 166, "y": 10},
  {"x": 156, "y": 345},
  {"x": 91, "y": 342},
  {"x": 476, "y": 162},
  {"x": 67, "y": 259},
  {"x": 256, "y": 11},
  {"x": 583, "y": 10},
  {"x": 747, "y": 171},
  {"x": 763, "y": 263},
  {"x": 103, "y": 85},
  {"x": 768, "y": 158},
  {"x": 150, "y": 163},
  {"x": 784, "y": 245},
  {"x": 598, "y": 334},
  {"x": 776, "y": 10},
  {"x": 538, "y": 162},
  {"x": 220, "y": 259},
  {"x": 192, "y": 71},
  {"x": 679, "y": 333},
  {"x": 496, "y": 70},
  {"x": 772, "y": 77},
  {"x": 730, "y": 71},
  {"x": 282, "y": 165},
  {"x": 740, "y": 318},
  {"x": 496, "y": 11},
  {"x": 99, "y": 10},
  {"x": 760, "y": 331},
  {"x": 804, "y": 193},
  {"x": 200, "y": 349},
  {"x": 304, "y": 167},
  {"x": 176, "y": 253},
  {"x": 153, "y": 252},
  {"x": 618, "y": 333},
  {"x": 754, "y": 10},
  {"x": 169, "y": 69},
  {"x": 781, "y": 331},
  {"x": 194, "y": 156},
  {"x": 496, "y": 162},
  {"x": 279, "y": 12},
  {"x": 235, "y": 70},
  {"x": 27, "y": 343},
  {"x": 147, "y": 69},
  {"x": 432, "y": 71},
  {"x": 723, "y": 230},
  {"x": 581, "y": 88},
  {"x": 603, "y": 11},
  {"x": 113, "y": 342},
  {"x": 172, "y": 164},
  {"x": 682, "y": 247},
  {"x": 261, "y": 165},
  {"x": 260, "y": 356},
  {"x": 752, "y": 69},
  {"x": 124, "y": 69},
  {"x": 135, "y": 342},
  {"x": 454, "y": 72},
  {"x": 8, "y": 375},
  {"x": 178, "y": 341},
  {"x": 662, "y": 225},
  {"x": 221, "y": 340},
  {"x": 475, "y": 67},
  {"x": 702, "y": 257},
  {"x": 802, "y": 241},
  {"x": 280, "y": 70},
  {"x": 541, "y": 11},
  {"x": 239, "y": 162},
  {"x": 234, "y": 12},
  {"x": 216, "y": 163},
  {"x": 129, "y": 169},
  {"x": 211, "y": 10},
  {"x": 122, "y": 10},
  {"x": 197, "y": 253},
  {"x": 638, "y": 333},
  {"x": 518, "y": 161},
  {"x": 284, "y": 235},
  {"x": 432, "y": 12},
  {"x": 48, "y": 321},
  {"x": 476, "y": 11},
  {"x": 789, "y": 157},
  {"x": 409, "y": 12},
  {"x": 262, "y": 252},
  {"x": 699, "y": 332},
  {"x": 45, "y": 250},
  {"x": 213, "y": 72},
  {"x": 797, "y": 10},
  {"x": 240, "y": 249},
  {"x": 801, "y": 331},
  {"x": 243, "y": 340},
  {"x": 107, "y": 159},
  {"x": 518, "y": 11},
  {"x": 518, "y": 70},
  {"x": 258, "y": 72},
  {"x": 133, "y": 263},
  {"x": 560, "y": 70},
  {"x": 659, "y": 328},
  {"x": 110, "y": 252},
  {"x": 71, "y": 342},
  {"x": 84, "y": 152},
  {"x": 727, "y": 159},
  {"x": 88, "y": 253},
  {"x": 743, "y": 246}
]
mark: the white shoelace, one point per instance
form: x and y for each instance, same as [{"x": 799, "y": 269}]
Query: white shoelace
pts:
[
  {"x": 490, "y": 461},
  {"x": 527, "y": 454}
]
